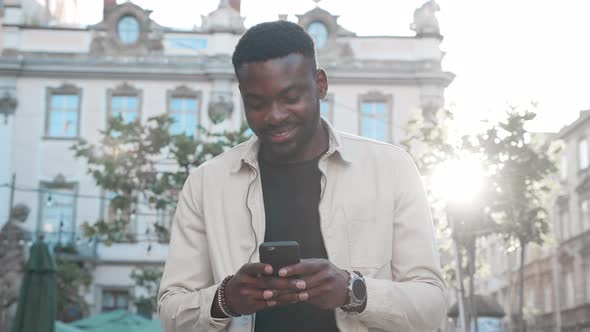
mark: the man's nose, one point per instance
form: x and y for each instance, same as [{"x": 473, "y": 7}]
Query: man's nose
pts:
[{"x": 276, "y": 114}]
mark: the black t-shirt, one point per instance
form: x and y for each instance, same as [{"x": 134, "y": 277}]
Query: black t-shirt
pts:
[{"x": 291, "y": 198}]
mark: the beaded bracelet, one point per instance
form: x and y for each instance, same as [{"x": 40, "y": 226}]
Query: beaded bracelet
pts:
[{"x": 221, "y": 299}]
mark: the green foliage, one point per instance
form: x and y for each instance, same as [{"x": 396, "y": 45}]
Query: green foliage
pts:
[
  {"x": 428, "y": 142},
  {"x": 147, "y": 279},
  {"x": 142, "y": 165},
  {"x": 521, "y": 170},
  {"x": 71, "y": 276}
]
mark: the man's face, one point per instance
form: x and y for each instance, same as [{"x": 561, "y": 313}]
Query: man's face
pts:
[{"x": 281, "y": 99}]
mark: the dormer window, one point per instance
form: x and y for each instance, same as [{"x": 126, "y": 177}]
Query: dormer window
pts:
[
  {"x": 319, "y": 33},
  {"x": 128, "y": 30}
]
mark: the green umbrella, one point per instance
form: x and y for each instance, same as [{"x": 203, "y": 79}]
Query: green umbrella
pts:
[{"x": 37, "y": 302}]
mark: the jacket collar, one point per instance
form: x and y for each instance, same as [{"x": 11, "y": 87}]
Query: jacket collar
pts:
[{"x": 250, "y": 154}]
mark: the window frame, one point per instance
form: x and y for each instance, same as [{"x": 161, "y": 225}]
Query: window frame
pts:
[
  {"x": 565, "y": 226},
  {"x": 563, "y": 168},
  {"x": 587, "y": 153},
  {"x": 185, "y": 92},
  {"x": 116, "y": 289},
  {"x": 58, "y": 183},
  {"x": 314, "y": 34},
  {"x": 118, "y": 30},
  {"x": 584, "y": 223},
  {"x": 64, "y": 89},
  {"x": 124, "y": 90},
  {"x": 377, "y": 97}
]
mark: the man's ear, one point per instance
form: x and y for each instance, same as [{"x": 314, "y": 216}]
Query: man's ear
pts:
[{"x": 322, "y": 82}]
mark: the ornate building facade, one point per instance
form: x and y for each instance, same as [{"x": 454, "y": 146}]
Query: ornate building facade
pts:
[
  {"x": 60, "y": 83},
  {"x": 557, "y": 275}
]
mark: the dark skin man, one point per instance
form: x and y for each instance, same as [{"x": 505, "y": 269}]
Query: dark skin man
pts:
[{"x": 281, "y": 99}]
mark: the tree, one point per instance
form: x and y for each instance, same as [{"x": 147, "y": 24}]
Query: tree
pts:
[
  {"x": 128, "y": 165},
  {"x": 522, "y": 171},
  {"x": 430, "y": 145},
  {"x": 143, "y": 167},
  {"x": 71, "y": 276},
  {"x": 148, "y": 280}
]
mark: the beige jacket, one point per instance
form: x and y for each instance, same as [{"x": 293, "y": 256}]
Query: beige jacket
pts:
[{"x": 374, "y": 218}]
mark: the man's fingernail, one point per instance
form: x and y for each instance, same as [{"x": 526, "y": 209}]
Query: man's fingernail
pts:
[
  {"x": 303, "y": 296},
  {"x": 268, "y": 269},
  {"x": 267, "y": 294},
  {"x": 271, "y": 303},
  {"x": 300, "y": 284},
  {"x": 282, "y": 272}
]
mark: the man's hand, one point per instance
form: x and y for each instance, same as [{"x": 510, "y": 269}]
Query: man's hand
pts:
[
  {"x": 253, "y": 289},
  {"x": 326, "y": 286}
]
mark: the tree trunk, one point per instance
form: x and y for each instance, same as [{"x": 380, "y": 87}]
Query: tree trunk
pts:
[
  {"x": 472, "y": 302},
  {"x": 521, "y": 321},
  {"x": 462, "y": 288}
]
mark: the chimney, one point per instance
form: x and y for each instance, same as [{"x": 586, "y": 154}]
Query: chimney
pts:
[
  {"x": 235, "y": 4},
  {"x": 107, "y": 6}
]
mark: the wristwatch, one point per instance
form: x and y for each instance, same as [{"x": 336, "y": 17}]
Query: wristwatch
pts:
[{"x": 357, "y": 293}]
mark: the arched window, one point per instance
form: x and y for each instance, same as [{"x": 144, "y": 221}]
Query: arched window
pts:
[
  {"x": 319, "y": 34},
  {"x": 128, "y": 30}
]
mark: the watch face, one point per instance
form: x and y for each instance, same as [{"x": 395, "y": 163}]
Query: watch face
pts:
[{"x": 359, "y": 289}]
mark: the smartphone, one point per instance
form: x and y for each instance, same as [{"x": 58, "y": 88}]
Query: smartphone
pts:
[{"x": 279, "y": 254}]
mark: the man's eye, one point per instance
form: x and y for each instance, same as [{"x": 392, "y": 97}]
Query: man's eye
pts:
[
  {"x": 291, "y": 99},
  {"x": 255, "y": 105}
]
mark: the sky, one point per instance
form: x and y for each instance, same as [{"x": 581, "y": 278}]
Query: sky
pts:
[{"x": 503, "y": 52}]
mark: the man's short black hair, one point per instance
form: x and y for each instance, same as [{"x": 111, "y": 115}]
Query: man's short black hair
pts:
[{"x": 272, "y": 40}]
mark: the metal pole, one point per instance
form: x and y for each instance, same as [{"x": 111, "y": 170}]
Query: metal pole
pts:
[
  {"x": 460, "y": 287},
  {"x": 11, "y": 200},
  {"x": 459, "y": 279}
]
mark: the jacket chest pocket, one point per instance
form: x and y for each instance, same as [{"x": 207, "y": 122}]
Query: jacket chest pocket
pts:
[{"x": 370, "y": 232}]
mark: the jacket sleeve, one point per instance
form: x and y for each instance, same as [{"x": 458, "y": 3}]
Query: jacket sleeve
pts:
[
  {"x": 187, "y": 287},
  {"x": 416, "y": 297}
]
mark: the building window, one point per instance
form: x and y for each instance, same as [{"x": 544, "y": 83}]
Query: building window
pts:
[
  {"x": 585, "y": 214},
  {"x": 63, "y": 112},
  {"x": 57, "y": 211},
  {"x": 548, "y": 293},
  {"x": 188, "y": 43},
  {"x": 583, "y": 160},
  {"x": 564, "y": 221},
  {"x": 184, "y": 109},
  {"x": 568, "y": 280},
  {"x": 125, "y": 101},
  {"x": 115, "y": 299},
  {"x": 327, "y": 108},
  {"x": 563, "y": 168},
  {"x": 128, "y": 30},
  {"x": 375, "y": 116},
  {"x": 319, "y": 34}
]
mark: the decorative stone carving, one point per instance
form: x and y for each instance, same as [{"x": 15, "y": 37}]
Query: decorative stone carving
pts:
[
  {"x": 106, "y": 40},
  {"x": 220, "y": 107},
  {"x": 12, "y": 260},
  {"x": 224, "y": 19},
  {"x": 425, "y": 22}
]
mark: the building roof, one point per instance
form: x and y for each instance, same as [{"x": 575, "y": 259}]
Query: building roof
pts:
[{"x": 567, "y": 130}]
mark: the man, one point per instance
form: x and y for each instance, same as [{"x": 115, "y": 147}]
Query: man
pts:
[{"x": 356, "y": 207}]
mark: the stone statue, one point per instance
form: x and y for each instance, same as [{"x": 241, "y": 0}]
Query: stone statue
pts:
[
  {"x": 13, "y": 238},
  {"x": 425, "y": 21}
]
